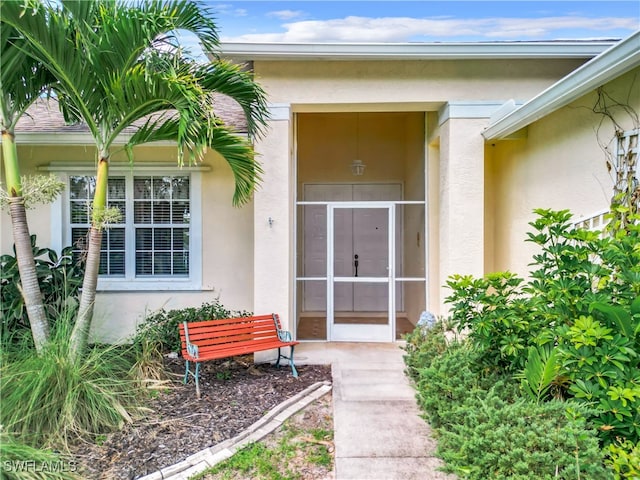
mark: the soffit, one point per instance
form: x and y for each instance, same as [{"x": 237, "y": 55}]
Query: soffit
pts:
[{"x": 244, "y": 52}]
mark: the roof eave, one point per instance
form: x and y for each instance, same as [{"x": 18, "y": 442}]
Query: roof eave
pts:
[
  {"x": 82, "y": 138},
  {"x": 612, "y": 63},
  {"x": 412, "y": 51},
  {"x": 70, "y": 138}
]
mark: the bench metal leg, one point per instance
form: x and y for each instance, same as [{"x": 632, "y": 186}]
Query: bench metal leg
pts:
[
  {"x": 290, "y": 358},
  {"x": 196, "y": 375},
  {"x": 293, "y": 367},
  {"x": 279, "y": 357},
  {"x": 198, "y": 379}
]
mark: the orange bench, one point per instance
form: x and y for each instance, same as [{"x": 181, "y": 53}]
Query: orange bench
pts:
[{"x": 229, "y": 337}]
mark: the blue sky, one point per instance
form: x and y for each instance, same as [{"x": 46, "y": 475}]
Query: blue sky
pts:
[{"x": 423, "y": 21}]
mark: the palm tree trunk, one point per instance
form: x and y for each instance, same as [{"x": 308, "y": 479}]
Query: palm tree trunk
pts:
[
  {"x": 30, "y": 288},
  {"x": 80, "y": 333}
]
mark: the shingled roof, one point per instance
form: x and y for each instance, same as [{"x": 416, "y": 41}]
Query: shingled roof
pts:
[{"x": 45, "y": 117}]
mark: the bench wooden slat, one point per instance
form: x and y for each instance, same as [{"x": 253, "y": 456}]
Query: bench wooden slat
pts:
[
  {"x": 209, "y": 326},
  {"x": 209, "y": 347},
  {"x": 227, "y": 321},
  {"x": 227, "y": 331},
  {"x": 237, "y": 349}
]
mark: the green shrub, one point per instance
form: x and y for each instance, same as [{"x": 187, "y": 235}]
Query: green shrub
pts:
[
  {"x": 453, "y": 376},
  {"x": 500, "y": 440},
  {"x": 496, "y": 316},
  {"x": 422, "y": 346},
  {"x": 485, "y": 429},
  {"x": 161, "y": 328},
  {"x": 59, "y": 277},
  {"x": 48, "y": 399}
]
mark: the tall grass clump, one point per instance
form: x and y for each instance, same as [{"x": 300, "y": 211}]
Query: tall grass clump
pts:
[
  {"x": 24, "y": 462},
  {"x": 48, "y": 399}
]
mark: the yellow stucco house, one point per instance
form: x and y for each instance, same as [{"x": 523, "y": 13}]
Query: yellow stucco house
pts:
[{"x": 388, "y": 167}]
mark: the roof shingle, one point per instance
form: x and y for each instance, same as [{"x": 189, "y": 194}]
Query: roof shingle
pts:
[{"x": 44, "y": 116}]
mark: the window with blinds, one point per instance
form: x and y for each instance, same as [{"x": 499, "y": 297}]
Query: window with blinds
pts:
[{"x": 151, "y": 238}]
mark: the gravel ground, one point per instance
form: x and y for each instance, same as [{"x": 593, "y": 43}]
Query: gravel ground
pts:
[{"x": 235, "y": 394}]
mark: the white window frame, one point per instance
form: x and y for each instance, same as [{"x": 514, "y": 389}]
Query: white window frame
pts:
[{"x": 61, "y": 227}]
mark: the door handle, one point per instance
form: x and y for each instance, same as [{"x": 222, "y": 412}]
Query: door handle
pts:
[{"x": 355, "y": 263}]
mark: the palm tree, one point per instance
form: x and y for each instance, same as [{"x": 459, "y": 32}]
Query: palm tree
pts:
[
  {"x": 22, "y": 81},
  {"x": 119, "y": 66}
]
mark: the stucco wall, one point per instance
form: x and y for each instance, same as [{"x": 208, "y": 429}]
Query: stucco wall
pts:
[
  {"x": 388, "y": 82},
  {"x": 227, "y": 240},
  {"x": 559, "y": 165}
]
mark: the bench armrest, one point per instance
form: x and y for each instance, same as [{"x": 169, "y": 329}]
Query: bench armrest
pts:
[
  {"x": 284, "y": 336},
  {"x": 192, "y": 349}
]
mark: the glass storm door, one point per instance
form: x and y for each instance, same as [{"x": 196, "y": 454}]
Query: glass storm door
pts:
[{"x": 360, "y": 271}]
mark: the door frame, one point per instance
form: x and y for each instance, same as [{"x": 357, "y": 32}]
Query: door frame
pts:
[{"x": 361, "y": 332}]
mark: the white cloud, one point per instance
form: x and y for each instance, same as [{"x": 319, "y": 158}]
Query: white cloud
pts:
[
  {"x": 222, "y": 8},
  {"x": 228, "y": 9},
  {"x": 403, "y": 29},
  {"x": 286, "y": 14}
]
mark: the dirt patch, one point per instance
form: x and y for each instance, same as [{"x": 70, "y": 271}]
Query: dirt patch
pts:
[
  {"x": 302, "y": 448},
  {"x": 235, "y": 394}
]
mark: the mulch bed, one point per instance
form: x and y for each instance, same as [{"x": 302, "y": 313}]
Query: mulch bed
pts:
[{"x": 235, "y": 394}]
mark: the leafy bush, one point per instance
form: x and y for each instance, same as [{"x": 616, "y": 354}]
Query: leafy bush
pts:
[
  {"x": 48, "y": 399},
  {"x": 624, "y": 460},
  {"x": 423, "y": 345},
  {"x": 496, "y": 315},
  {"x": 581, "y": 307},
  {"x": 60, "y": 279},
  {"x": 161, "y": 328},
  {"x": 453, "y": 376}
]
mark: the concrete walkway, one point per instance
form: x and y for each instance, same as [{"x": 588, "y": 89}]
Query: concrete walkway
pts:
[{"x": 378, "y": 430}]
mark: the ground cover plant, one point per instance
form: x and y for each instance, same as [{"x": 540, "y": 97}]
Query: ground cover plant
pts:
[{"x": 545, "y": 381}]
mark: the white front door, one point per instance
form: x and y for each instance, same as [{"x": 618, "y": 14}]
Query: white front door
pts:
[
  {"x": 361, "y": 232},
  {"x": 367, "y": 315}
]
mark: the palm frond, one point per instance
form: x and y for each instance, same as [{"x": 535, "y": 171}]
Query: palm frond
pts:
[
  {"x": 236, "y": 151},
  {"x": 22, "y": 79},
  {"x": 231, "y": 80}
]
